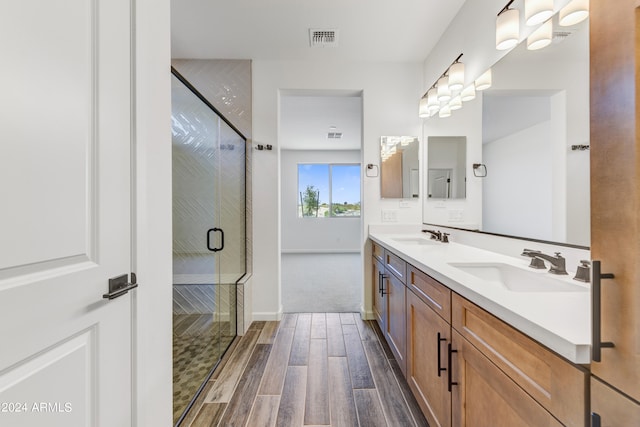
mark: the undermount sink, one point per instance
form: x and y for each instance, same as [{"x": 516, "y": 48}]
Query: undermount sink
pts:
[
  {"x": 517, "y": 279},
  {"x": 415, "y": 241}
]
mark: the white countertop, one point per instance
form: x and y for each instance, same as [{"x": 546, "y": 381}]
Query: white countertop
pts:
[{"x": 560, "y": 321}]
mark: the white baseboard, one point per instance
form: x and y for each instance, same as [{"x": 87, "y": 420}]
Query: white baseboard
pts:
[
  {"x": 267, "y": 316},
  {"x": 366, "y": 314}
]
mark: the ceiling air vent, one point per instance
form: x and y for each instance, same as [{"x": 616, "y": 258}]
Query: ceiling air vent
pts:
[
  {"x": 323, "y": 38},
  {"x": 334, "y": 135},
  {"x": 560, "y": 36}
]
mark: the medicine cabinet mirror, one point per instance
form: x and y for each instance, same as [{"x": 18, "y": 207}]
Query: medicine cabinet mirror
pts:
[
  {"x": 446, "y": 171},
  {"x": 400, "y": 167}
]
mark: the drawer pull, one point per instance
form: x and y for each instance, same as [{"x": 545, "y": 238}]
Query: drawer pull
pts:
[
  {"x": 450, "y": 352},
  {"x": 382, "y": 290},
  {"x": 440, "y": 368}
]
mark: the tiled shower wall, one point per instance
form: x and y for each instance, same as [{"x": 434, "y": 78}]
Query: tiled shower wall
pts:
[{"x": 226, "y": 84}]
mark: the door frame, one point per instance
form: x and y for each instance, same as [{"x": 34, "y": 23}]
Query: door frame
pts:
[{"x": 151, "y": 213}]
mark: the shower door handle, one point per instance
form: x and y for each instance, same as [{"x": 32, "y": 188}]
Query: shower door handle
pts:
[{"x": 209, "y": 239}]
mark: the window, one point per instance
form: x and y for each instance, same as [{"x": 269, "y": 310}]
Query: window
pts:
[{"x": 328, "y": 190}]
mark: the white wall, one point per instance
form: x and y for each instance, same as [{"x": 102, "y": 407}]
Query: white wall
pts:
[
  {"x": 518, "y": 176},
  {"x": 390, "y": 94}
]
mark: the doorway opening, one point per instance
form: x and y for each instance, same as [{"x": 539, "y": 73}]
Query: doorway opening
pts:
[{"x": 320, "y": 136}]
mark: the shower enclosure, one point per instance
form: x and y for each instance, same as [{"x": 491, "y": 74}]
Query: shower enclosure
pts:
[{"x": 209, "y": 245}]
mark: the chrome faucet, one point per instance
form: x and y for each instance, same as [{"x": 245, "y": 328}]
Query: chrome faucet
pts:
[{"x": 537, "y": 261}]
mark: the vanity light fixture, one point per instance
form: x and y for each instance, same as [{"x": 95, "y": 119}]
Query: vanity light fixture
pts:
[
  {"x": 468, "y": 93},
  {"x": 441, "y": 91},
  {"x": 444, "y": 93},
  {"x": 574, "y": 12},
  {"x": 507, "y": 28},
  {"x": 484, "y": 81},
  {"x": 541, "y": 37},
  {"x": 537, "y": 11}
]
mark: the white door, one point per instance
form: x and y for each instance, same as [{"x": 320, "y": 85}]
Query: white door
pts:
[{"x": 65, "y": 215}]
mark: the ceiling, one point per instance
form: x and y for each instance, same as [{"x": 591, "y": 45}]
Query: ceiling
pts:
[{"x": 369, "y": 30}]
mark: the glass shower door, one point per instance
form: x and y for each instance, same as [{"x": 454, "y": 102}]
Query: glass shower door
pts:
[{"x": 197, "y": 243}]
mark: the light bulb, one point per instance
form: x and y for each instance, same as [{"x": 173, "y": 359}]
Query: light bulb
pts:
[
  {"x": 432, "y": 101},
  {"x": 456, "y": 76},
  {"x": 468, "y": 93},
  {"x": 541, "y": 37},
  {"x": 444, "y": 93},
  {"x": 537, "y": 11},
  {"x": 574, "y": 12},
  {"x": 507, "y": 29}
]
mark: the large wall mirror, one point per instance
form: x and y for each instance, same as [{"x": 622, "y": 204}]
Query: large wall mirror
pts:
[
  {"x": 535, "y": 139},
  {"x": 400, "y": 167}
]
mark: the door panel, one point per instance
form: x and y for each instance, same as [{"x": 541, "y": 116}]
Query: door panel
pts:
[
  {"x": 427, "y": 338},
  {"x": 65, "y": 216},
  {"x": 615, "y": 140},
  {"x": 611, "y": 407}
]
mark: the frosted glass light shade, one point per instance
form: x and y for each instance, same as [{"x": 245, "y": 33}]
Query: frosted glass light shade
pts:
[
  {"x": 468, "y": 93},
  {"x": 423, "y": 110},
  {"x": 444, "y": 93},
  {"x": 537, "y": 11},
  {"x": 574, "y": 12},
  {"x": 455, "y": 103},
  {"x": 541, "y": 37},
  {"x": 456, "y": 76},
  {"x": 445, "y": 111},
  {"x": 484, "y": 81},
  {"x": 432, "y": 101},
  {"x": 507, "y": 29}
]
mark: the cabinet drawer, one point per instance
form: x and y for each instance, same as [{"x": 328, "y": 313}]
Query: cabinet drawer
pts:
[
  {"x": 378, "y": 251},
  {"x": 395, "y": 265},
  {"x": 433, "y": 293},
  {"x": 557, "y": 385}
]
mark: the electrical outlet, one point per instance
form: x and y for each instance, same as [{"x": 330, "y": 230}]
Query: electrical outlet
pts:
[{"x": 389, "y": 215}]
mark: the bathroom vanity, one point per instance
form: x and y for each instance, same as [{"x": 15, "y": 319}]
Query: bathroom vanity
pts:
[{"x": 478, "y": 335}]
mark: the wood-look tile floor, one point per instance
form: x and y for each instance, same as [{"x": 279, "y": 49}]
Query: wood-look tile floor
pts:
[{"x": 329, "y": 369}]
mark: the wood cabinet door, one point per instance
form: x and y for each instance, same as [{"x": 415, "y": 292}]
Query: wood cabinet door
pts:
[
  {"x": 427, "y": 337},
  {"x": 396, "y": 332},
  {"x": 610, "y": 408},
  {"x": 379, "y": 301},
  {"x": 615, "y": 172},
  {"x": 484, "y": 396}
]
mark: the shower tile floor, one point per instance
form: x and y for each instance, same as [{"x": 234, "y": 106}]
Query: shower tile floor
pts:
[{"x": 198, "y": 342}]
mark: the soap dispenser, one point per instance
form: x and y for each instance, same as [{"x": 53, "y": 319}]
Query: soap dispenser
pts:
[{"x": 583, "y": 273}]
